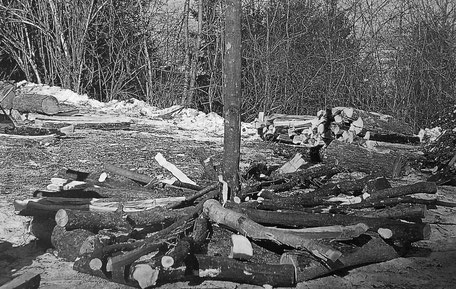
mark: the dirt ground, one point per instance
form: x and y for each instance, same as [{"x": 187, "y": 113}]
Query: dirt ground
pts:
[{"x": 26, "y": 166}]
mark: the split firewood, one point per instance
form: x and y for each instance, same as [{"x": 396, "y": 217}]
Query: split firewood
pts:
[
  {"x": 241, "y": 248},
  {"x": 28, "y": 280},
  {"x": 91, "y": 221},
  {"x": 173, "y": 169},
  {"x": 243, "y": 225},
  {"x": 68, "y": 243},
  {"x": 307, "y": 267},
  {"x": 292, "y": 165}
]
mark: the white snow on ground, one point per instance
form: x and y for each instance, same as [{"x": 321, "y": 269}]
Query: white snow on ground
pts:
[{"x": 186, "y": 119}]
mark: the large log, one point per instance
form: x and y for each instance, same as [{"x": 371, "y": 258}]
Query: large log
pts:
[
  {"x": 245, "y": 226},
  {"x": 404, "y": 232},
  {"x": 217, "y": 268},
  {"x": 307, "y": 267},
  {"x": 39, "y": 103},
  {"x": 356, "y": 158},
  {"x": 91, "y": 221}
]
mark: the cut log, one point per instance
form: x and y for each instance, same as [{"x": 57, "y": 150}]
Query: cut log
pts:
[
  {"x": 68, "y": 243},
  {"x": 156, "y": 217},
  {"x": 82, "y": 122},
  {"x": 39, "y": 103},
  {"x": 217, "y": 268},
  {"x": 355, "y": 158},
  {"x": 91, "y": 221},
  {"x": 45, "y": 206},
  {"x": 28, "y": 280},
  {"x": 245, "y": 226},
  {"x": 400, "y": 231},
  {"x": 178, "y": 255},
  {"x": 401, "y": 211},
  {"x": 374, "y": 251},
  {"x": 420, "y": 187}
]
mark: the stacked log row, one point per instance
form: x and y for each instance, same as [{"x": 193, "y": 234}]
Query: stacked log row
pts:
[{"x": 340, "y": 123}]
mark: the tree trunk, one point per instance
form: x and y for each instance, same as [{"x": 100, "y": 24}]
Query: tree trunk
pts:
[{"x": 232, "y": 95}]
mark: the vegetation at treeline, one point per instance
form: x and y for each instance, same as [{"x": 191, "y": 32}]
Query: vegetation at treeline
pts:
[{"x": 392, "y": 56}]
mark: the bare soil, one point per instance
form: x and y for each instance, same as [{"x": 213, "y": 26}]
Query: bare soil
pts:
[{"x": 26, "y": 166}]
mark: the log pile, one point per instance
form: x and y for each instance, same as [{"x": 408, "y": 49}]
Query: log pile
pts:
[
  {"x": 340, "y": 123},
  {"x": 312, "y": 225}
]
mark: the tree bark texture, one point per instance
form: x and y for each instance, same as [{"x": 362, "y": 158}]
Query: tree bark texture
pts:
[
  {"x": 91, "y": 221},
  {"x": 232, "y": 95}
]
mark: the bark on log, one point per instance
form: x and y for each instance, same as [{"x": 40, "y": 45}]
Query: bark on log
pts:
[
  {"x": 420, "y": 187},
  {"x": 28, "y": 280},
  {"x": 217, "y": 268},
  {"x": 68, "y": 243},
  {"x": 39, "y": 103},
  {"x": 374, "y": 251},
  {"x": 243, "y": 225},
  {"x": 400, "y": 231},
  {"x": 46, "y": 206},
  {"x": 355, "y": 158},
  {"x": 91, "y": 221},
  {"x": 156, "y": 217},
  {"x": 401, "y": 211}
]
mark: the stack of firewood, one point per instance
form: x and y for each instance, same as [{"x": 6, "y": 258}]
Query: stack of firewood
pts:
[
  {"x": 112, "y": 229},
  {"x": 340, "y": 123}
]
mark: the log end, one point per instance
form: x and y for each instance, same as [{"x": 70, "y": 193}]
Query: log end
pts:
[{"x": 145, "y": 275}]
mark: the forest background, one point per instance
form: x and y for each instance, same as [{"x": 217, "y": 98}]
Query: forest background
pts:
[{"x": 298, "y": 56}]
